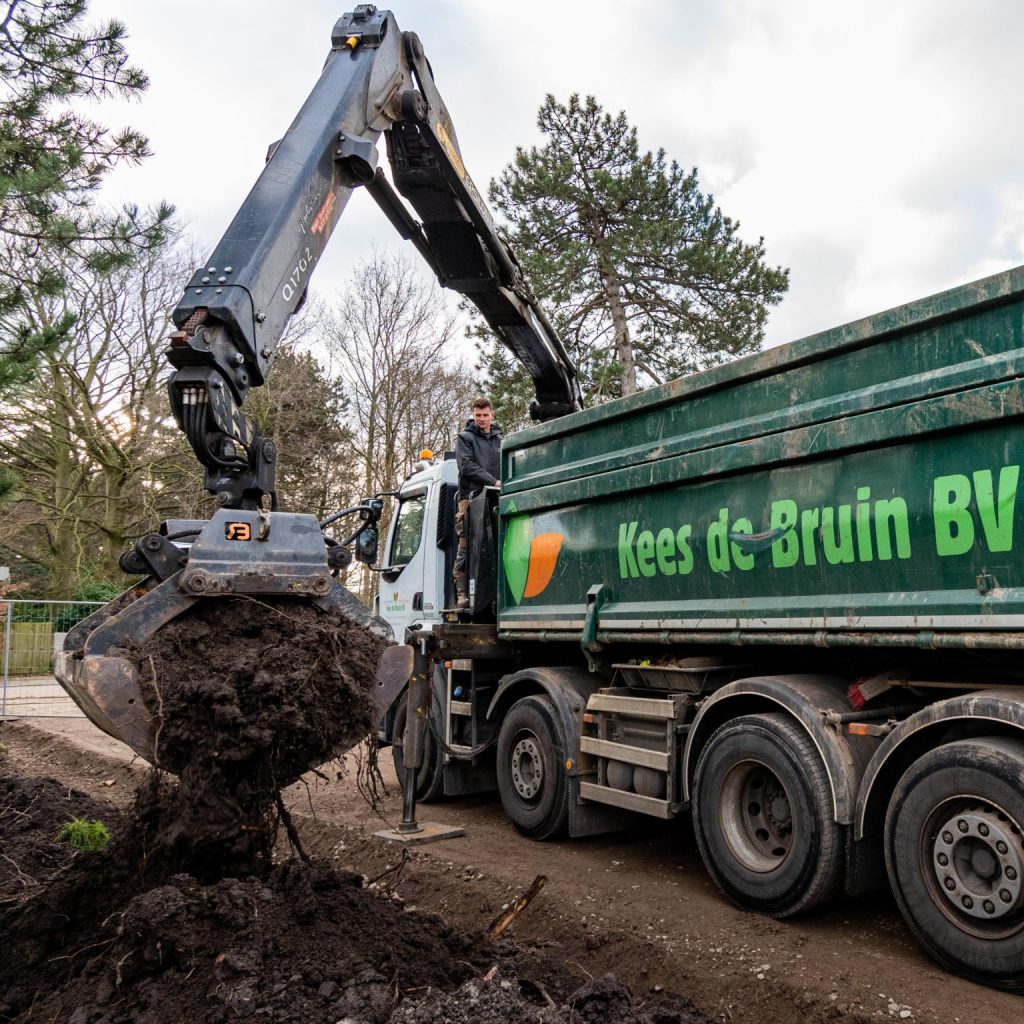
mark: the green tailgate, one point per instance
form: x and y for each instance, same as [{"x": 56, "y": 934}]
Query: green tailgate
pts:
[{"x": 865, "y": 478}]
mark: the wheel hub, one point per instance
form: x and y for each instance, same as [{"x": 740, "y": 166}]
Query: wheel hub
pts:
[
  {"x": 527, "y": 767},
  {"x": 978, "y": 861},
  {"x": 756, "y": 816},
  {"x": 778, "y": 812}
]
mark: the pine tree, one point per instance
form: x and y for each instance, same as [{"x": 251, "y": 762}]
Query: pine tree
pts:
[
  {"x": 647, "y": 279},
  {"x": 52, "y": 162}
]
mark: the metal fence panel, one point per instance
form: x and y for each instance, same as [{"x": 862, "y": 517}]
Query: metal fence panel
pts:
[{"x": 32, "y": 632}]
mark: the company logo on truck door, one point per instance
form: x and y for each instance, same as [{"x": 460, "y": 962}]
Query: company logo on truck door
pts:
[
  {"x": 529, "y": 561},
  {"x": 965, "y": 511}
]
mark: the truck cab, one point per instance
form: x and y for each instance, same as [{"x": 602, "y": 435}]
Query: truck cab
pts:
[
  {"x": 416, "y": 561},
  {"x": 417, "y": 593}
]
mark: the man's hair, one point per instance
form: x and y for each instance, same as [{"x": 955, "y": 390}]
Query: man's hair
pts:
[{"x": 481, "y": 403}]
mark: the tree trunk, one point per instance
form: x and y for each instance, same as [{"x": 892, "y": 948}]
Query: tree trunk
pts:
[
  {"x": 612, "y": 287},
  {"x": 65, "y": 546},
  {"x": 620, "y": 328}
]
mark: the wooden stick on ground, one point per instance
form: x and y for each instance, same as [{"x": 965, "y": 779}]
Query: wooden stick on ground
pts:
[{"x": 515, "y": 908}]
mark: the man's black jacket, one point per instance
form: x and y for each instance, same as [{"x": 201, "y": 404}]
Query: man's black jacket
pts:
[{"x": 479, "y": 458}]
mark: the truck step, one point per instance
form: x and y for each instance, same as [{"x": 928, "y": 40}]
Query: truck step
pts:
[
  {"x": 628, "y": 801},
  {"x": 670, "y": 706},
  {"x": 622, "y": 752}
]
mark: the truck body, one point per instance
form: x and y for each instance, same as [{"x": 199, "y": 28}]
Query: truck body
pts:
[
  {"x": 784, "y": 594},
  {"x": 859, "y": 480}
]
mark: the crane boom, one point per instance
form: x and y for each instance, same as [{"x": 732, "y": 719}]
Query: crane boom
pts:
[{"x": 235, "y": 308}]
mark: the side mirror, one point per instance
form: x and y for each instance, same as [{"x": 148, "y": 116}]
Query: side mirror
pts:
[{"x": 366, "y": 545}]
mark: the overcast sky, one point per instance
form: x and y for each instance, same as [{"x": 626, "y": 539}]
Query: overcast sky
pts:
[{"x": 876, "y": 146}]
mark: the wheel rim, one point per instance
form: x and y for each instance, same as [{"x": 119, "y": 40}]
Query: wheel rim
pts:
[
  {"x": 972, "y": 857},
  {"x": 527, "y": 766},
  {"x": 755, "y": 814}
]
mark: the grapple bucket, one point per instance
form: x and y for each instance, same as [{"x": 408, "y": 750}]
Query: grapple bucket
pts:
[{"x": 276, "y": 554}]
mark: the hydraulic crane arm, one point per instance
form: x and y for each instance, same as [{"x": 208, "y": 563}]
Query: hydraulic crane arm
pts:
[{"x": 236, "y": 306}]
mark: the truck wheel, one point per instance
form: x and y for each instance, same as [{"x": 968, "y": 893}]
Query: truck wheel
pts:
[
  {"x": 762, "y": 814},
  {"x": 430, "y": 777},
  {"x": 532, "y": 780},
  {"x": 954, "y": 849}
]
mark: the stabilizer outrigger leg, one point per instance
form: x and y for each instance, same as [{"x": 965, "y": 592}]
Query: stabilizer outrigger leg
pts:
[{"x": 410, "y": 831}]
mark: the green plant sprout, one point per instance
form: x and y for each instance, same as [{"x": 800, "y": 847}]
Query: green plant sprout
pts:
[{"x": 82, "y": 834}]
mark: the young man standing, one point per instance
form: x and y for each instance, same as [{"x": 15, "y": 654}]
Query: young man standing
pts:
[{"x": 478, "y": 451}]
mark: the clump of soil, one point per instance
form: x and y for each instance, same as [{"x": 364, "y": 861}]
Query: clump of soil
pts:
[
  {"x": 247, "y": 695},
  {"x": 507, "y": 997}
]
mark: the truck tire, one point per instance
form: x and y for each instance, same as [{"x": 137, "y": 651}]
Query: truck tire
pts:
[
  {"x": 762, "y": 814},
  {"x": 532, "y": 779},
  {"x": 430, "y": 777},
  {"x": 954, "y": 849}
]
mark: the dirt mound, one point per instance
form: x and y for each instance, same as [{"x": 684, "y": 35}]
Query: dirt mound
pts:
[
  {"x": 95, "y": 937},
  {"x": 32, "y": 811},
  {"x": 184, "y": 915},
  {"x": 306, "y": 943},
  {"x": 247, "y": 695},
  {"x": 31, "y": 814},
  {"x": 44, "y": 883},
  {"x": 112, "y": 937}
]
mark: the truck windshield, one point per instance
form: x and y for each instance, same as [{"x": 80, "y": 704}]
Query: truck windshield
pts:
[{"x": 408, "y": 530}]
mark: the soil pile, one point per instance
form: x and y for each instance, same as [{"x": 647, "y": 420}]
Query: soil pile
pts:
[
  {"x": 184, "y": 916},
  {"x": 96, "y": 942},
  {"x": 47, "y": 898},
  {"x": 306, "y": 943},
  {"x": 248, "y": 695}
]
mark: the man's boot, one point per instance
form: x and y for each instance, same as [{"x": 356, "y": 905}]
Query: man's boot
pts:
[{"x": 461, "y": 594}]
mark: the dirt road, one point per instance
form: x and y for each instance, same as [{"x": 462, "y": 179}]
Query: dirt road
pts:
[{"x": 636, "y": 903}]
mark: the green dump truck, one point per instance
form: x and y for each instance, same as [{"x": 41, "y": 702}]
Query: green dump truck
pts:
[{"x": 785, "y": 595}]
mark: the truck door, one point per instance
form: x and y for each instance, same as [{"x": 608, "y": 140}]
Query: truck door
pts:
[{"x": 402, "y": 579}]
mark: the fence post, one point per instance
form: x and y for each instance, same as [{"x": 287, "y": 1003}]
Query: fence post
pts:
[{"x": 7, "y": 654}]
